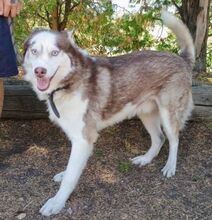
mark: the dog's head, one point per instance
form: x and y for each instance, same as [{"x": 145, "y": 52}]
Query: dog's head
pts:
[{"x": 49, "y": 57}]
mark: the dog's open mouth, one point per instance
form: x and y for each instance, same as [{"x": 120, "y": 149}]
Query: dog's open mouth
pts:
[{"x": 43, "y": 83}]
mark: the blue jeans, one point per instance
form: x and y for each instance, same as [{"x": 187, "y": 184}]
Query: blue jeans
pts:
[{"x": 8, "y": 64}]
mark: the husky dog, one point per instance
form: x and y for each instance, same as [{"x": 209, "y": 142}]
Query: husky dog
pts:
[{"x": 85, "y": 94}]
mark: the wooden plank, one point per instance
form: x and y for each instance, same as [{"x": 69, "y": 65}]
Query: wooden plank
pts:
[
  {"x": 202, "y": 95},
  {"x": 202, "y": 113},
  {"x": 21, "y": 115},
  {"x": 21, "y": 102},
  {"x": 19, "y": 90}
]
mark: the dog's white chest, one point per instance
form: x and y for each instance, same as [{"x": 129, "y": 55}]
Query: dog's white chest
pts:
[{"x": 72, "y": 110}]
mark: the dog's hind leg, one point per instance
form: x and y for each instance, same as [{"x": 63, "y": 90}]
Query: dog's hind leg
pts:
[
  {"x": 152, "y": 123},
  {"x": 171, "y": 128}
]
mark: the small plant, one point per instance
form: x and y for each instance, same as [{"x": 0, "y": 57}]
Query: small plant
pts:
[
  {"x": 124, "y": 166},
  {"x": 98, "y": 152},
  {"x": 209, "y": 125},
  {"x": 196, "y": 178}
]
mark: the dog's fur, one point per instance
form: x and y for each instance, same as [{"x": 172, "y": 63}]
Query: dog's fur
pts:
[{"x": 97, "y": 92}]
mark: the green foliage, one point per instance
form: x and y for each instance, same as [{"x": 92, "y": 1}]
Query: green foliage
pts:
[
  {"x": 28, "y": 20},
  {"x": 209, "y": 58},
  {"x": 164, "y": 44},
  {"x": 105, "y": 35},
  {"x": 96, "y": 28}
]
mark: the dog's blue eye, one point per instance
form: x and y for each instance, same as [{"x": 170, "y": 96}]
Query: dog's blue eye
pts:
[
  {"x": 54, "y": 52},
  {"x": 34, "y": 51}
]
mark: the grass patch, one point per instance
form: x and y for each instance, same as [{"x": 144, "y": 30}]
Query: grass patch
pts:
[
  {"x": 209, "y": 126},
  {"x": 196, "y": 178},
  {"x": 111, "y": 130},
  {"x": 98, "y": 152},
  {"x": 124, "y": 166}
]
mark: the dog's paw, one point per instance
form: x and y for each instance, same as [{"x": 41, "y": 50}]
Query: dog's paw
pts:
[
  {"x": 169, "y": 170},
  {"x": 141, "y": 160},
  {"x": 52, "y": 206},
  {"x": 58, "y": 177}
]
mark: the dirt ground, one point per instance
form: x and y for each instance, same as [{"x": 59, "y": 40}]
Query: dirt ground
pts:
[{"x": 32, "y": 152}]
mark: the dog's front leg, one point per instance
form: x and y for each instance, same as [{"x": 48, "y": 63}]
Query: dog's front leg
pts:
[{"x": 81, "y": 150}]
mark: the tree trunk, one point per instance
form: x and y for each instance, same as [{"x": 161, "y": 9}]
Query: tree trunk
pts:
[
  {"x": 58, "y": 17},
  {"x": 195, "y": 14},
  {"x": 54, "y": 20}
]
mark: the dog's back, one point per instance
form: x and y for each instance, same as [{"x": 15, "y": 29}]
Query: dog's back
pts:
[{"x": 146, "y": 76}]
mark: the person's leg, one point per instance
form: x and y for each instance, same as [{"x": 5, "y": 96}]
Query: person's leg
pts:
[{"x": 1, "y": 95}]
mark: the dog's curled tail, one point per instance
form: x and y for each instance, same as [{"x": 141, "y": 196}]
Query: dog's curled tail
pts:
[{"x": 182, "y": 34}]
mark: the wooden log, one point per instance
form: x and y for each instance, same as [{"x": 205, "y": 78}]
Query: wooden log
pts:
[
  {"x": 21, "y": 102},
  {"x": 202, "y": 96},
  {"x": 202, "y": 113}
]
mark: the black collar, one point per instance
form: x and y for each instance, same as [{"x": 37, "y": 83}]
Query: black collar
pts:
[{"x": 51, "y": 100}]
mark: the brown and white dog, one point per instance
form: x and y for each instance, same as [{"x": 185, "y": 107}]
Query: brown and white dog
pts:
[{"x": 85, "y": 94}]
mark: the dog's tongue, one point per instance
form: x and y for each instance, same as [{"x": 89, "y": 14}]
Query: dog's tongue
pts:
[{"x": 43, "y": 83}]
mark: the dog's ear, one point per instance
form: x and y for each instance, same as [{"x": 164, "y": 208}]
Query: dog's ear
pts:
[
  {"x": 26, "y": 46},
  {"x": 70, "y": 34}
]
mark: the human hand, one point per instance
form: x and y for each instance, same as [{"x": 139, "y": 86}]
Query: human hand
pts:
[{"x": 10, "y": 8}]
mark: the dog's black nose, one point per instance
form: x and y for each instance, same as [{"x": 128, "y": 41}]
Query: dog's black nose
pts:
[{"x": 40, "y": 71}]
